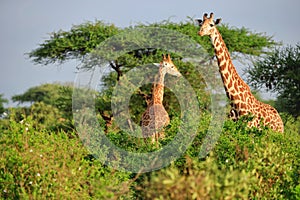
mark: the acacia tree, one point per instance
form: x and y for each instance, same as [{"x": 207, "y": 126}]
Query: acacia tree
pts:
[
  {"x": 279, "y": 73},
  {"x": 73, "y": 44},
  {"x": 83, "y": 39}
]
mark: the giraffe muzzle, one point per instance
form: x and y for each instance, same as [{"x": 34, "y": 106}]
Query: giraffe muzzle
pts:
[{"x": 200, "y": 33}]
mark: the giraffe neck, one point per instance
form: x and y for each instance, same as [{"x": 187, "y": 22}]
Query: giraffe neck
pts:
[
  {"x": 158, "y": 88},
  {"x": 235, "y": 87}
]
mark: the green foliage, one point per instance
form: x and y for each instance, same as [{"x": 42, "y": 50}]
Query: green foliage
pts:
[
  {"x": 45, "y": 116},
  {"x": 245, "y": 164},
  {"x": 239, "y": 40},
  {"x": 280, "y": 73},
  {"x": 272, "y": 158},
  {"x": 242, "y": 40},
  {"x": 51, "y": 106},
  {"x": 43, "y": 164},
  {"x": 47, "y": 93},
  {"x": 203, "y": 180},
  {"x": 37, "y": 163},
  {"x": 84, "y": 38},
  {"x": 73, "y": 44},
  {"x": 2, "y": 101},
  {"x": 138, "y": 99},
  {"x": 41, "y": 158}
]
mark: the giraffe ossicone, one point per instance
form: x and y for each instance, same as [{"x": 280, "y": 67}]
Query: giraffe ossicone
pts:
[
  {"x": 238, "y": 92},
  {"x": 155, "y": 118}
]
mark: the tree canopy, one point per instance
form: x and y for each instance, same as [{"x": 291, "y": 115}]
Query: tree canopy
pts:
[
  {"x": 72, "y": 44},
  {"x": 83, "y": 38},
  {"x": 50, "y": 104},
  {"x": 280, "y": 73}
]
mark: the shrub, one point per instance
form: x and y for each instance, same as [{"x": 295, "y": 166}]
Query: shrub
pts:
[
  {"x": 245, "y": 164},
  {"x": 199, "y": 180},
  {"x": 39, "y": 164}
]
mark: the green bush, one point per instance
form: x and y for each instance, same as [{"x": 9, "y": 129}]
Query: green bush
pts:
[
  {"x": 245, "y": 164},
  {"x": 39, "y": 164},
  {"x": 199, "y": 180}
]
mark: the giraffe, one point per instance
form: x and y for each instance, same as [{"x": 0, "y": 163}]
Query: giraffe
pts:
[
  {"x": 242, "y": 100},
  {"x": 155, "y": 118}
]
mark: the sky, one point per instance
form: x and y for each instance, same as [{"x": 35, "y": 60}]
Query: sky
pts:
[{"x": 27, "y": 23}]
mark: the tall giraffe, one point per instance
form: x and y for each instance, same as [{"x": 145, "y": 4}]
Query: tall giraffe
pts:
[
  {"x": 242, "y": 100},
  {"x": 155, "y": 118}
]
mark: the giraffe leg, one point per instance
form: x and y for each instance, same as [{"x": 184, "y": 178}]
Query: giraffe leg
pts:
[
  {"x": 153, "y": 138},
  {"x": 156, "y": 139},
  {"x": 233, "y": 115}
]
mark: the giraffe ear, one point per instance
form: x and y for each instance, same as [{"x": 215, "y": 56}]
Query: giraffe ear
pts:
[
  {"x": 156, "y": 64},
  {"x": 169, "y": 57},
  {"x": 218, "y": 21},
  {"x": 199, "y": 21}
]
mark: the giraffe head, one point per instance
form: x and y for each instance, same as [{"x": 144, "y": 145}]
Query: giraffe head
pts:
[
  {"x": 168, "y": 67},
  {"x": 207, "y": 25}
]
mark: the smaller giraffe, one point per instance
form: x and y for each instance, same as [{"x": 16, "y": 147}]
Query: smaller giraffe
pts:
[
  {"x": 242, "y": 100},
  {"x": 155, "y": 118}
]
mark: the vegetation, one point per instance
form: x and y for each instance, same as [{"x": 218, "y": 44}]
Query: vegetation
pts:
[
  {"x": 42, "y": 164},
  {"x": 43, "y": 157},
  {"x": 2, "y": 101},
  {"x": 83, "y": 39},
  {"x": 51, "y": 106},
  {"x": 38, "y": 163},
  {"x": 279, "y": 72},
  {"x": 73, "y": 44},
  {"x": 246, "y": 164}
]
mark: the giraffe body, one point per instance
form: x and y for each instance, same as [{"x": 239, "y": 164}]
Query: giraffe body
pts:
[
  {"x": 155, "y": 118},
  {"x": 242, "y": 100}
]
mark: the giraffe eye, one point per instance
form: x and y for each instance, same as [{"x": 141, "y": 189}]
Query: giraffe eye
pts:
[{"x": 211, "y": 25}]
